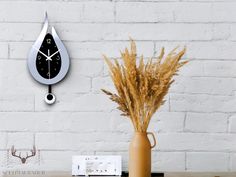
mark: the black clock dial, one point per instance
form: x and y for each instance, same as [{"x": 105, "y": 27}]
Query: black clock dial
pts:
[{"x": 48, "y": 61}]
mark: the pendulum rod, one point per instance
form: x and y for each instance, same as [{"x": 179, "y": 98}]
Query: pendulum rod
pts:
[{"x": 49, "y": 88}]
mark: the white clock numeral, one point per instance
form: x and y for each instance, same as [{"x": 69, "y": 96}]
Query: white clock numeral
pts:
[
  {"x": 58, "y": 58},
  {"x": 49, "y": 41},
  {"x": 39, "y": 57}
]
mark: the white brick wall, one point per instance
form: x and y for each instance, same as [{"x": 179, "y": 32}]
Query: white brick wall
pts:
[{"x": 196, "y": 127}]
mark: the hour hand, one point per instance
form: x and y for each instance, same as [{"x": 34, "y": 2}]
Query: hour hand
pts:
[
  {"x": 54, "y": 53},
  {"x": 41, "y": 52}
]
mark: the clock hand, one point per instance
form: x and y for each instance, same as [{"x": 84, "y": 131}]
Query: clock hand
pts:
[
  {"x": 49, "y": 73},
  {"x": 41, "y": 52},
  {"x": 49, "y": 57},
  {"x": 54, "y": 53}
]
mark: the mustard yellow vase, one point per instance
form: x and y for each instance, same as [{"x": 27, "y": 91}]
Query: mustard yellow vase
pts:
[{"x": 140, "y": 155}]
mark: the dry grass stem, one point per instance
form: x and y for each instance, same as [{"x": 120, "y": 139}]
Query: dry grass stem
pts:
[{"x": 141, "y": 86}]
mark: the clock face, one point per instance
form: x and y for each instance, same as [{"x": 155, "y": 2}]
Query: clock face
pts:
[{"x": 48, "y": 59}]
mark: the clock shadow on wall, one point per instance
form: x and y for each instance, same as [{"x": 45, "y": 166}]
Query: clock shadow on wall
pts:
[{"x": 48, "y": 60}]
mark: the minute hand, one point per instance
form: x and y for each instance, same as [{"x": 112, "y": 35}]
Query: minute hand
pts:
[
  {"x": 54, "y": 54},
  {"x": 41, "y": 52}
]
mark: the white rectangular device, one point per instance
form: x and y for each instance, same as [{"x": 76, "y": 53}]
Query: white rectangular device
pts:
[{"x": 96, "y": 165}]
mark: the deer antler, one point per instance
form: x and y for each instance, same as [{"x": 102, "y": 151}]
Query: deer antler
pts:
[
  {"x": 13, "y": 152},
  {"x": 33, "y": 153},
  {"x": 23, "y": 159}
]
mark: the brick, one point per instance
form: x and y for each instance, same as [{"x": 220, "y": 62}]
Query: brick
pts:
[
  {"x": 232, "y": 32},
  {"x": 214, "y": 122},
  {"x": 98, "y": 12},
  {"x": 232, "y": 161},
  {"x": 49, "y": 160},
  {"x": 88, "y": 50},
  {"x": 224, "y": 12},
  {"x": 81, "y": 102},
  {"x": 160, "y": 122},
  {"x": 80, "y": 84},
  {"x": 167, "y": 122},
  {"x": 193, "y": 68},
  {"x": 168, "y": 161},
  {"x": 20, "y": 140},
  {"x": 152, "y": 12},
  {"x": 19, "y": 50},
  {"x": 16, "y": 102},
  {"x": 121, "y": 123},
  {"x": 66, "y": 141},
  {"x": 219, "y": 68},
  {"x": 166, "y": 106},
  {"x": 18, "y": 77},
  {"x": 105, "y": 146},
  {"x": 4, "y": 50},
  {"x": 99, "y": 83},
  {"x": 88, "y": 68},
  {"x": 55, "y": 121},
  {"x": 90, "y": 122},
  {"x": 218, "y": 50},
  {"x": 221, "y": 31},
  {"x": 25, "y": 31},
  {"x": 189, "y": 12},
  {"x": 232, "y": 123},
  {"x": 3, "y": 159},
  {"x": 214, "y": 86},
  {"x": 169, "y": 46},
  {"x": 210, "y": 12},
  {"x": 195, "y": 141},
  {"x": 3, "y": 140},
  {"x": 210, "y": 161},
  {"x": 201, "y": 103},
  {"x": 33, "y": 121},
  {"x": 94, "y": 32},
  {"x": 202, "y": 50},
  {"x": 34, "y": 11}
]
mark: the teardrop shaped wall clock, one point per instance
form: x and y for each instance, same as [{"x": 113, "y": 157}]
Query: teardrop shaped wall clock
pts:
[{"x": 48, "y": 60}]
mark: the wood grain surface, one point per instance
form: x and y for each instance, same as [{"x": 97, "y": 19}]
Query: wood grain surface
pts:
[{"x": 168, "y": 174}]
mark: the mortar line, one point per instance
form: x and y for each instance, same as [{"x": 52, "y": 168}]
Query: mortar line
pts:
[
  {"x": 114, "y": 11},
  {"x": 185, "y": 160},
  {"x": 229, "y": 162},
  {"x": 8, "y": 50},
  {"x": 184, "y": 123}
]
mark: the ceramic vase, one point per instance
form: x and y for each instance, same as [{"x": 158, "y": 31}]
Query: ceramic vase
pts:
[{"x": 140, "y": 154}]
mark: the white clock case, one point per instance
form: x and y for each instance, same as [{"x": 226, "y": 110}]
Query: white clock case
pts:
[{"x": 65, "y": 61}]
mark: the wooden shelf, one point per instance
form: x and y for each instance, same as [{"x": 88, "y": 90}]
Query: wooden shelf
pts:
[
  {"x": 201, "y": 174},
  {"x": 167, "y": 174}
]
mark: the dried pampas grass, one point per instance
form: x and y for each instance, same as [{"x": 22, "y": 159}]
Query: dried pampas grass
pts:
[{"x": 141, "y": 87}]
